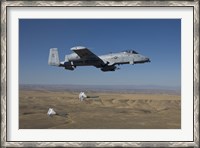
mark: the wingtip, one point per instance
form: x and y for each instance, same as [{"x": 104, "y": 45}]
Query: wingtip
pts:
[{"x": 78, "y": 48}]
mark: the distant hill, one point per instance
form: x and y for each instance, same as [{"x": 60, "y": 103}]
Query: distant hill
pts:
[{"x": 104, "y": 88}]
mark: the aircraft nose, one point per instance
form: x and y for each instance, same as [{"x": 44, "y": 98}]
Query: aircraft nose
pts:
[{"x": 147, "y": 59}]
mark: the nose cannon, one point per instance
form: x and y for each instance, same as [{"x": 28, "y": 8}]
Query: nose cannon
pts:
[{"x": 148, "y": 60}]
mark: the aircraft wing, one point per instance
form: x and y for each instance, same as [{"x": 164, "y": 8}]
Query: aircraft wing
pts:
[{"x": 85, "y": 53}]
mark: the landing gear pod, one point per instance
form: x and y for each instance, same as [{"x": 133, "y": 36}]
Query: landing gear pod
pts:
[
  {"x": 131, "y": 62},
  {"x": 69, "y": 65}
]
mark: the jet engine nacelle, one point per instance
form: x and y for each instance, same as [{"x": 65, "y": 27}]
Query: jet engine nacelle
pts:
[{"x": 72, "y": 57}]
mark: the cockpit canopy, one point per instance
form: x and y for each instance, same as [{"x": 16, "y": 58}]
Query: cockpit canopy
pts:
[{"x": 130, "y": 51}]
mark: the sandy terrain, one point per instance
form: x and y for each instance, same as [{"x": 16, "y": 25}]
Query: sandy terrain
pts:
[{"x": 110, "y": 111}]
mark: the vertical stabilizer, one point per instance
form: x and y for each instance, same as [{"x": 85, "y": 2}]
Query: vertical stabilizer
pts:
[{"x": 53, "y": 57}]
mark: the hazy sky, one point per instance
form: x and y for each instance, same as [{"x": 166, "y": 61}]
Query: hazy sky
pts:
[{"x": 158, "y": 39}]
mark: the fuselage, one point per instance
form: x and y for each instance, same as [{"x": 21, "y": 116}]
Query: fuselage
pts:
[
  {"x": 82, "y": 56},
  {"x": 126, "y": 57}
]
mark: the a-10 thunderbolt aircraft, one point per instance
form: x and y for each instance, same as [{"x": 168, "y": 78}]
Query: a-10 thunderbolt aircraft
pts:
[{"x": 82, "y": 56}]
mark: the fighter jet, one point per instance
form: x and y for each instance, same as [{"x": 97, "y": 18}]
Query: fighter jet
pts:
[{"x": 82, "y": 56}]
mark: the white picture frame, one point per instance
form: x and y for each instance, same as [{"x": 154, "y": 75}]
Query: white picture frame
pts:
[{"x": 8, "y": 86}]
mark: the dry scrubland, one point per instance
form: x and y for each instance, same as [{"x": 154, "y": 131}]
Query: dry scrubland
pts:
[{"x": 112, "y": 110}]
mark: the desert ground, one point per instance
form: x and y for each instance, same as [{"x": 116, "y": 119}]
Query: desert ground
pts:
[{"x": 111, "y": 110}]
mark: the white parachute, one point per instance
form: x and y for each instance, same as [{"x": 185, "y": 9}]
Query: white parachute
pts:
[
  {"x": 51, "y": 112},
  {"x": 82, "y": 96}
]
